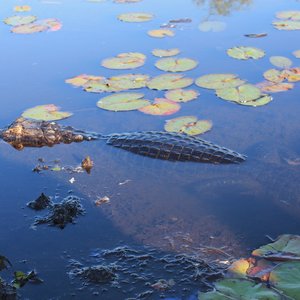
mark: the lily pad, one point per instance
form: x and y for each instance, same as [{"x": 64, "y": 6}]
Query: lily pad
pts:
[
  {"x": 239, "y": 289},
  {"x": 82, "y": 80},
  {"x": 22, "y": 8},
  {"x": 169, "y": 82},
  {"x": 19, "y": 20},
  {"x": 189, "y": 125},
  {"x": 176, "y": 64},
  {"x": 47, "y": 112},
  {"x": 281, "y": 62},
  {"x": 29, "y": 28},
  {"x": 241, "y": 94},
  {"x": 161, "y": 33},
  {"x": 214, "y": 26},
  {"x": 262, "y": 100},
  {"x": 180, "y": 95},
  {"x": 296, "y": 53},
  {"x": 286, "y": 278},
  {"x": 245, "y": 53},
  {"x": 161, "y": 107},
  {"x": 275, "y": 75},
  {"x": 219, "y": 81},
  {"x": 293, "y": 74},
  {"x": 286, "y": 247},
  {"x": 289, "y": 15},
  {"x": 123, "y": 102},
  {"x": 123, "y": 61},
  {"x": 272, "y": 87},
  {"x": 165, "y": 53},
  {"x": 287, "y": 25},
  {"x": 135, "y": 17}
]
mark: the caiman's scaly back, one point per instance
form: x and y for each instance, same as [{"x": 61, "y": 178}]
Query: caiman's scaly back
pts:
[{"x": 162, "y": 145}]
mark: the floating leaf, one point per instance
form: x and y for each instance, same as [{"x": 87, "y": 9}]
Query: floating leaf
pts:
[
  {"x": 189, "y": 125},
  {"x": 245, "y": 53},
  {"x": 281, "y": 62},
  {"x": 82, "y": 79},
  {"x": 214, "y": 26},
  {"x": 241, "y": 94},
  {"x": 29, "y": 28},
  {"x": 239, "y": 268},
  {"x": 275, "y": 75},
  {"x": 161, "y": 33},
  {"x": 176, "y": 64},
  {"x": 180, "y": 95},
  {"x": 239, "y": 289},
  {"x": 218, "y": 81},
  {"x": 162, "y": 107},
  {"x": 165, "y": 53},
  {"x": 123, "y": 102},
  {"x": 262, "y": 100},
  {"x": 293, "y": 74},
  {"x": 274, "y": 87},
  {"x": 125, "y": 61},
  {"x": 135, "y": 17},
  {"x": 52, "y": 24},
  {"x": 296, "y": 53},
  {"x": 47, "y": 112},
  {"x": 169, "y": 82},
  {"x": 256, "y": 35},
  {"x": 287, "y": 25},
  {"x": 289, "y": 15},
  {"x": 19, "y": 20},
  {"x": 22, "y": 8},
  {"x": 286, "y": 278},
  {"x": 286, "y": 247}
]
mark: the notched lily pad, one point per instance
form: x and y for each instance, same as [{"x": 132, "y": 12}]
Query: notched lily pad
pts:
[
  {"x": 47, "y": 112},
  {"x": 281, "y": 62},
  {"x": 189, "y": 125},
  {"x": 161, "y": 33},
  {"x": 289, "y": 15},
  {"x": 169, "y": 82},
  {"x": 135, "y": 17},
  {"x": 245, "y": 53},
  {"x": 165, "y": 53},
  {"x": 219, "y": 81},
  {"x": 123, "y": 102},
  {"x": 162, "y": 107},
  {"x": 19, "y": 20},
  {"x": 181, "y": 95},
  {"x": 176, "y": 64},
  {"x": 287, "y": 25},
  {"x": 123, "y": 61}
]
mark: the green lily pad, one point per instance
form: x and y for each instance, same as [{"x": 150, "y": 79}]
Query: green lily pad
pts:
[
  {"x": 281, "y": 62},
  {"x": 123, "y": 102},
  {"x": 274, "y": 75},
  {"x": 261, "y": 101},
  {"x": 180, "y": 95},
  {"x": 161, "y": 33},
  {"x": 189, "y": 125},
  {"x": 169, "y": 82},
  {"x": 176, "y": 64},
  {"x": 161, "y": 107},
  {"x": 286, "y": 247},
  {"x": 245, "y": 53},
  {"x": 289, "y": 15},
  {"x": 241, "y": 94},
  {"x": 219, "y": 81},
  {"x": 19, "y": 20},
  {"x": 135, "y": 17},
  {"x": 287, "y": 25},
  {"x": 286, "y": 278},
  {"x": 47, "y": 112},
  {"x": 214, "y": 26},
  {"x": 239, "y": 289},
  {"x": 165, "y": 53},
  {"x": 123, "y": 61},
  {"x": 296, "y": 53}
]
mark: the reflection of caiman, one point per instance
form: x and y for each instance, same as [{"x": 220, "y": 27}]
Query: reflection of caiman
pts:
[{"x": 163, "y": 145}]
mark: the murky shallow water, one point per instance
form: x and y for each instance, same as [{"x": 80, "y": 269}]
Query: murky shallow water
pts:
[{"x": 174, "y": 207}]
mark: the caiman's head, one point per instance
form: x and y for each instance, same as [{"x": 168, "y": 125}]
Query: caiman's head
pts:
[{"x": 31, "y": 133}]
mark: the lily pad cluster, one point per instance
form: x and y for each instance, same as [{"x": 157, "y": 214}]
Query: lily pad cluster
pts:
[
  {"x": 288, "y": 20},
  {"x": 272, "y": 272}
]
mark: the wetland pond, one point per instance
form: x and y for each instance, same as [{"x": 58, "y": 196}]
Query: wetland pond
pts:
[{"x": 155, "y": 229}]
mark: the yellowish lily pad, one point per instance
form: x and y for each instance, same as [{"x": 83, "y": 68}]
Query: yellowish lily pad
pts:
[
  {"x": 161, "y": 107},
  {"x": 287, "y": 25},
  {"x": 161, "y": 33},
  {"x": 22, "y": 8}
]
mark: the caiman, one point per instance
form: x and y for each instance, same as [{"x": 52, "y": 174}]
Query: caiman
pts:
[{"x": 156, "y": 144}]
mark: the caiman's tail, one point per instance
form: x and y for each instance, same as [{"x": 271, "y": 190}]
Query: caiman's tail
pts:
[{"x": 162, "y": 145}]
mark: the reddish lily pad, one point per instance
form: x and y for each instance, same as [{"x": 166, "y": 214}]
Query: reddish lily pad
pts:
[
  {"x": 169, "y": 82},
  {"x": 82, "y": 80},
  {"x": 47, "y": 112},
  {"x": 218, "y": 81},
  {"x": 165, "y": 53},
  {"x": 123, "y": 102},
  {"x": 176, "y": 64},
  {"x": 123, "y": 61},
  {"x": 135, "y": 17},
  {"x": 245, "y": 53},
  {"x": 161, "y": 107},
  {"x": 181, "y": 95},
  {"x": 272, "y": 87},
  {"x": 29, "y": 28}
]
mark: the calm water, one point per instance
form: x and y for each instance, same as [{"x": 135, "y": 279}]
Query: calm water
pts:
[{"x": 173, "y": 207}]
